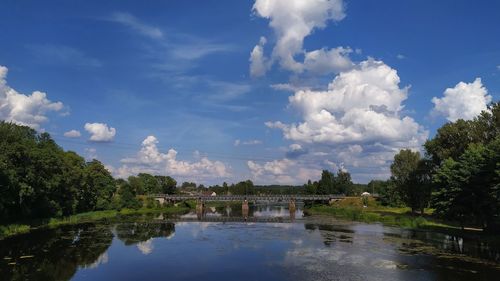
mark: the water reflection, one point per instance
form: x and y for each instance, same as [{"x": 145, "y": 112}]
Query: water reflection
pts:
[
  {"x": 253, "y": 213},
  {"x": 186, "y": 249},
  {"x": 54, "y": 254}
]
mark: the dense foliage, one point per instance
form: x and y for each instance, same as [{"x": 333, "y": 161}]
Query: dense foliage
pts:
[
  {"x": 459, "y": 177},
  {"x": 38, "y": 179},
  {"x": 332, "y": 184}
]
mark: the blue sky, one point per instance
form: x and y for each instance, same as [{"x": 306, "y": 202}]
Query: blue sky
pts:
[{"x": 180, "y": 72}]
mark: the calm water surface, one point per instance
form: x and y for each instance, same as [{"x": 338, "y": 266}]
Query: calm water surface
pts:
[{"x": 268, "y": 243}]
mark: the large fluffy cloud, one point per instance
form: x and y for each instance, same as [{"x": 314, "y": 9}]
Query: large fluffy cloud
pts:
[
  {"x": 356, "y": 123},
  {"x": 29, "y": 110},
  {"x": 149, "y": 159},
  {"x": 464, "y": 101},
  {"x": 283, "y": 171},
  {"x": 100, "y": 132},
  {"x": 362, "y": 105},
  {"x": 292, "y": 21}
]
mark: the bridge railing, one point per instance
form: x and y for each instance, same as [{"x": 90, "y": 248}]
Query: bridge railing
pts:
[{"x": 178, "y": 197}]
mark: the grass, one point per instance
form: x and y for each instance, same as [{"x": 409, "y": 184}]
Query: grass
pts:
[
  {"x": 370, "y": 216},
  {"x": 15, "y": 229},
  {"x": 352, "y": 209}
]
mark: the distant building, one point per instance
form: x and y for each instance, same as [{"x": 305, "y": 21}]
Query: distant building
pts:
[{"x": 209, "y": 193}]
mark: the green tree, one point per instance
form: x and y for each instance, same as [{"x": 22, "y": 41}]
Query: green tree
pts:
[
  {"x": 73, "y": 178},
  {"x": 412, "y": 179},
  {"x": 98, "y": 187},
  {"x": 450, "y": 141},
  {"x": 137, "y": 184},
  {"x": 325, "y": 184},
  {"x": 387, "y": 192},
  {"x": 167, "y": 184},
  {"x": 150, "y": 183},
  {"x": 342, "y": 183},
  {"x": 311, "y": 188},
  {"x": 468, "y": 189},
  {"x": 127, "y": 196}
]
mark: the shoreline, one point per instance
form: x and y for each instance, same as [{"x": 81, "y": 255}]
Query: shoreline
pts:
[
  {"x": 14, "y": 229},
  {"x": 18, "y": 228},
  {"x": 389, "y": 216},
  {"x": 394, "y": 217}
]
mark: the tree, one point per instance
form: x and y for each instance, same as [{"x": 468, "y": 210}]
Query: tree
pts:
[
  {"x": 127, "y": 196},
  {"x": 342, "y": 183},
  {"x": 150, "y": 183},
  {"x": 136, "y": 184},
  {"x": 453, "y": 138},
  {"x": 325, "y": 184},
  {"x": 98, "y": 189},
  {"x": 412, "y": 179},
  {"x": 469, "y": 189},
  {"x": 311, "y": 188},
  {"x": 167, "y": 184},
  {"x": 450, "y": 141},
  {"x": 387, "y": 192},
  {"x": 73, "y": 178},
  {"x": 188, "y": 185}
]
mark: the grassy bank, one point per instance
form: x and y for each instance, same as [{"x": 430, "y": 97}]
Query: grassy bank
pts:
[
  {"x": 14, "y": 229},
  {"x": 352, "y": 209}
]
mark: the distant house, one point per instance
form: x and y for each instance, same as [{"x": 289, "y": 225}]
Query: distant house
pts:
[{"x": 209, "y": 193}]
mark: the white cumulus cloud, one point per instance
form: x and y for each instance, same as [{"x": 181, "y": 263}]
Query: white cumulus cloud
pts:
[
  {"x": 324, "y": 61},
  {"x": 29, "y": 110},
  {"x": 150, "y": 160},
  {"x": 464, "y": 101},
  {"x": 360, "y": 105},
  {"x": 292, "y": 21},
  {"x": 100, "y": 132},
  {"x": 357, "y": 124},
  {"x": 258, "y": 62},
  {"x": 282, "y": 171},
  {"x": 72, "y": 134}
]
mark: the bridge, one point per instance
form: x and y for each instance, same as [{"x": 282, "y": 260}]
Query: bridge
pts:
[
  {"x": 200, "y": 199},
  {"x": 230, "y": 219},
  {"x": 254, "y": 198}
]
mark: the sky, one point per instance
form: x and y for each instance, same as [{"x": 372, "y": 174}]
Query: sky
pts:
[{"x": 269, "y": 90}]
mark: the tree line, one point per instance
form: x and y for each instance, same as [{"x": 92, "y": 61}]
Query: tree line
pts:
[
  {"x": 38, "y": 179},
  {"x": 458, "y": 176}
]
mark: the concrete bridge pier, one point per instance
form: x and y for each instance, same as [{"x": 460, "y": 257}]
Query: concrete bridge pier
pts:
[
  {"x": 199, "y": 205},
  {"x": 244, "y": 208},
  {"x": 291, "y": 205}
]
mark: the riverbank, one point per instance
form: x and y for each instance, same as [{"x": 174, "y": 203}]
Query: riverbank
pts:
[
  {"x": 20, "y": 228},
  {"x": 353, "y": 209}
]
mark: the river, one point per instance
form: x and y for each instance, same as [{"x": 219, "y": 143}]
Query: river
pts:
[{"x": 268, "y": 243}]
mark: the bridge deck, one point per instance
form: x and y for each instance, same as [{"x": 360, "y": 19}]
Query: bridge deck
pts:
[{"x": 274, "y": 198}]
